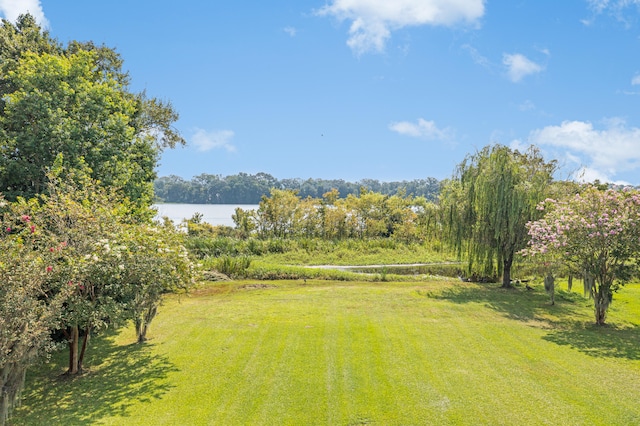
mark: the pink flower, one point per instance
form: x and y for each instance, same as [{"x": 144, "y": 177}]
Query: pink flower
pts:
[
  {"x": 33, "y": 229},
  {"x": 26, "y": 218},
  {"x": 49, "y": 268},
  {"x": 70, "y": 283},
  {"x": 8, "y": 229}
]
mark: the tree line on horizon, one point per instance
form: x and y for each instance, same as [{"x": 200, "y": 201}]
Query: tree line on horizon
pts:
[{"x": 243, "y": 188}]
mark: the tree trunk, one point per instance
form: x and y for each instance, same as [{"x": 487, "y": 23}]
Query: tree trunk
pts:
[
  {"x": 74, "y": 336},
  {"x": 506, "y": 273},
  {"x": 87, "y": 333},
  {"x": 142, "y": 323},
  {"x": 12, "y": 377},
  {"x": 570, "y": 282},
  {"x": 600, "y": 308},
  {"x": 549, "y": 286},
  {"x": 139, "y": 325},
  {"x": 601, "y": 300}
]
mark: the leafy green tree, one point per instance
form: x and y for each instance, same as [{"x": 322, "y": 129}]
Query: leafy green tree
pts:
[
  {"x": 17, "y": 39},
  {"x": 488, "y": 203},
  {"x": 152, "y": 262},
  {"x": 113, "y": 269},
  {"x": 75, "y": 101},
  {"x": 30, "y": 299},
  {"x": 276, "y": 214},
  {"x": 595, "y": 231},
  {"x": 88, "y": 220}
]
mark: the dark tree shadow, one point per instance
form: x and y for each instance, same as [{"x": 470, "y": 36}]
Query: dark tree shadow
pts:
[
  {"x": 570, "y": 321},
  {"x": 608, "y": 341},
  {"x": 116, "y": 378},
  {"x": 516, "y": 303}
]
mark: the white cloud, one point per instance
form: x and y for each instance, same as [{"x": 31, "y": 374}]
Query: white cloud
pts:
[
  {"x": 527, "y": 106},
  {"x": 614, "y": 8},
  {"x": 476, "y": 56},
  {"x": 635, "y": 80},
  {"x": 206, "y": 141},
  {"x": 423, "y": 129},
  {"x": 519, "y": 66},
  {"x": 602, "y": 153},
  {"x": 12, "y": 9},
  {"x": 292, "y": 31},
  {"x": 587, "y": 174},
  {"x": 598, "y": 5},
  {"x": 372, "y": 21}
]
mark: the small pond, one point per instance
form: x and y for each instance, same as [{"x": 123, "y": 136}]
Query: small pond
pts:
[{"x": 452, "y": 269}]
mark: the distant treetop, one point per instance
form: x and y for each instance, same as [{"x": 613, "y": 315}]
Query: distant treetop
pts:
[{"x": 244, "y": 188}]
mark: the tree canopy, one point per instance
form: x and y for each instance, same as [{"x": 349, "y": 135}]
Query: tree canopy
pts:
[
  {"x": 245, "y": 188},
  {"x": 488, "y": 203},
  {"x": 596, "y": 232},
  {"x": 75, "y": 101}
]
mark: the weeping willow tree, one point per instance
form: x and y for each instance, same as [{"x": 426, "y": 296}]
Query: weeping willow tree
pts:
[{"x": 487, "y": 204}]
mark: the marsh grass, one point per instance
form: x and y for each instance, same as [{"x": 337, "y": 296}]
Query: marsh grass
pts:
[{"x": 340, "y": 352}]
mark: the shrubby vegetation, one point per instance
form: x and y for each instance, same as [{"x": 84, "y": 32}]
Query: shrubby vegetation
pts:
[
  {"x": 484, "y": 216},
  {"x": 78, "y": 251},
  {"x": 76, "y": 263}
]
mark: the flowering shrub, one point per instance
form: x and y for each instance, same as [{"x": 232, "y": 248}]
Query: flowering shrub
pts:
[
  {"x": 30, "y": 299},
  {"x": 595, "y": 231}
]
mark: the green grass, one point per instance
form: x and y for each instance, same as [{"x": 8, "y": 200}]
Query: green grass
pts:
[{"x": 353, "y": 353}]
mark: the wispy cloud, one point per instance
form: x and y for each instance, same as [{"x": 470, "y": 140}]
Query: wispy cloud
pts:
[
  {"x": 12, "y": 9},
  {"x": 599, "y": 152},
  {"x": 635, "y": 80},
  {"x": 527, "y": 105},
  {"x": 477, "y": 57},
  {"x": 372, "y": 21},
  {"x": 519, "y": 66},
  {"x": 292, "y": 31},
  {"x": 423, "y": 129},
  {"x": 614, "y": 8},
  {"x": 218, "y": 139}
]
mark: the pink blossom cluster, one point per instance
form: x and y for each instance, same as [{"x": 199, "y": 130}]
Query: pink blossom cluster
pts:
[{"x": 594, "y": 221}]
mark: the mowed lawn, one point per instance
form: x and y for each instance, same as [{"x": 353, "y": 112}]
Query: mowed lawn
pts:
[{"x": 331, "y": 353}]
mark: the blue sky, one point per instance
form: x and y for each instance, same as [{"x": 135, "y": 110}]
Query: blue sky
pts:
[{"x": 388, "y": 90}]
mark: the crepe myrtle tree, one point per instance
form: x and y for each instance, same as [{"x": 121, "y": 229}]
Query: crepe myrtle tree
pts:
[
  {"x": 595, "y": 231},
  {"x": 114, "y": 269},
  {"x": 31, "y": 299},
  {"x": 152, "y": 261}
]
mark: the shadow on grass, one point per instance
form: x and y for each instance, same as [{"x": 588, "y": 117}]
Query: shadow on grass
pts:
[
  {"x": 117, "y": 378},
  {"x": 516, "y": 303},
  {"x": 569, "y": 321},
  {"x": 600, "y": 341}
]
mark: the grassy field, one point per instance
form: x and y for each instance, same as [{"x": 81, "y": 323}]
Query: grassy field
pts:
[{"x": 355, "y": 353}]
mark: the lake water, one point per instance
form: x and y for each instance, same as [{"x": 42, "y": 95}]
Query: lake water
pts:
[{"x": 215, "y": 214}]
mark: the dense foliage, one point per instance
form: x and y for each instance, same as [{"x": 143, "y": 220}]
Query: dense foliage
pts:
[
  {"x": 245, "y": 188},
  {"x": 488, "y": 203},
  {"x": 73, "y": 261},
  {"x": 75, "y": 101},
  {"x": 78, "y": 252},
  {"x": 597, "y": 233},
  {"x": 285, "y": 215}
]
